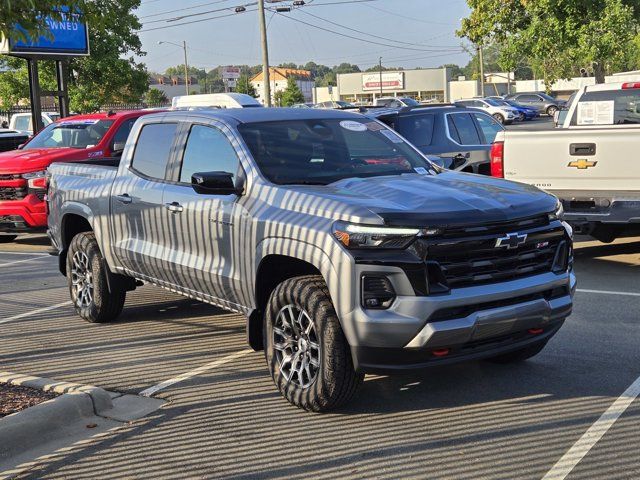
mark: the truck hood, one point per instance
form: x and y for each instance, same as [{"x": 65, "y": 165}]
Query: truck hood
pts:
[
  {"x": 447, "y": 199},
  {"x": 21, "y": 161}
]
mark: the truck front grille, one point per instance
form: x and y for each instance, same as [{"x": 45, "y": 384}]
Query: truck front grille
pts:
[
  {"x": 476, "y": 261},
  {"x": 13, "y": 193}
]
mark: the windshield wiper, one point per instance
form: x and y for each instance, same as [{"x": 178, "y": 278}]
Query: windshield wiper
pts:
[{"x": 304, "y": 182}]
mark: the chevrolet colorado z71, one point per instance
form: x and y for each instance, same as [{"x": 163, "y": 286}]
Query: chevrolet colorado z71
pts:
[
  {"x": 82, "y": 137},
  {"x": 346, "y": 249}
]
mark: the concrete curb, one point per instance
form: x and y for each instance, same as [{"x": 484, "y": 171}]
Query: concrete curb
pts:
[{"x": 100, "y": 399}]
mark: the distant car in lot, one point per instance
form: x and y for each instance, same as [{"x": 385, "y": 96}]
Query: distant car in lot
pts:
[
  {"x": 303, "y": 105},
  {"x": 542, "y": 102},
  {"x": 502, "y": 113},
  {"x": 11, "y": 139},
  {"x": 335, "y": 104},
  {"x": 396, "y": 102},
  {"x": 526, "y": 113},
  {"x": 23, "y": 122},
  {"x": 460, "y": 138}
]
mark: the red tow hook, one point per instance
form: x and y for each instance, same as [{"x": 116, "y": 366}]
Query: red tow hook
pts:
[
  {"x": 535, "y": 331},
  {"x": 441, "y": 352}
]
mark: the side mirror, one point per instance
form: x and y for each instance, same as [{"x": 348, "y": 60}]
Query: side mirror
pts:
[
  {"x": 21, "y": 146},
  {"x": 214, "y": 183},
  {"x": 117, "y": 148}
]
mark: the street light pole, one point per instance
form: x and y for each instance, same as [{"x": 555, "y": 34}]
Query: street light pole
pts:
[
  {"x": 186, "y": 66},
  {"x": 265, "y": 55},
  {"x": 380, "y": 76},
  {"x": 481, "y": 60}
]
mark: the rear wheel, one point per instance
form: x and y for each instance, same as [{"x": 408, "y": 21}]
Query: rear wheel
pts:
[
  {"x": 499, "y": 118},
  {"x": 519, "y": 355},
  {"x": 306, "y": 350},
  {"x": 87, "y": 281},
  {"x": 7, "y": 238}
]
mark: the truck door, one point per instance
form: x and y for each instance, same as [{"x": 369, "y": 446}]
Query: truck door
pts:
[
  {"x": 138, "y": 214},
  {"x": 206, "y": 231}
]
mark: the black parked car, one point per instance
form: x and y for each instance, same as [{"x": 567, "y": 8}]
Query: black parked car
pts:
[
  {"x": 542, "y": 102},
  {"x": 459, "y": 137}
]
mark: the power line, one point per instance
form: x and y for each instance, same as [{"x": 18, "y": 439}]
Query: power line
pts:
[
  {"x": 440, "y": 47},
  {"x": 193, "y": 21},
  {"x": 351, "y": 36},
  {"x": 182, "y": 17},
  {"x": 409, "y": 18},
  {"x": 183, "y": 9}
]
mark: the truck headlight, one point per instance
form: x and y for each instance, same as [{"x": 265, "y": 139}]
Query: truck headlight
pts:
[
  {"x": 38, "y": 174},
  {"x": 365, "y": 236},
  {"x": 558, "y": 214}
]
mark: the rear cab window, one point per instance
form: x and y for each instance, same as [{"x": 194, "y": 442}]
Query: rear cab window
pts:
[
  {"x": 153, "y": 149},
  {"x": 608, "y": 107}
]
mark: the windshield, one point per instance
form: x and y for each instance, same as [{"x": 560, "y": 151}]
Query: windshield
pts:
[
  {"x": 72, "y": 133},
  {"x": 410, "y": 102},
  {"x": 492, "y": 102},
  {"x": 319, "y": 152},
  {"x": 344, "y": 104}
]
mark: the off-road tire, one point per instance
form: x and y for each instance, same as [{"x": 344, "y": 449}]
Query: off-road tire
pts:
[
  {"x": 499, "y": 118},
  {"x": 336, "y": 380},
  {"x": 105, "y": 305},
  {"x": 7, "y": 238},
  {"x": 519, "y": 355}
]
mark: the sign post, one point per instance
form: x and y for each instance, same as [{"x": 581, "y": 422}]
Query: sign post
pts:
[
  {"x": 65, "y": 38},
  {"x": 230, "y": 75}
]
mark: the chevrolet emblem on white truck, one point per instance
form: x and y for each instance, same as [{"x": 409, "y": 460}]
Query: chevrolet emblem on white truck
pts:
[{"x": 511, "y": 240}]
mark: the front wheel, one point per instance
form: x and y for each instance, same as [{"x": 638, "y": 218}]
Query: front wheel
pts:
[
  {"x": 519, "y": 355},
  {"x": 551, "y": 111},
  {"x": 7, "y": 238},
  {"x": 499, "y": 118},
  {"x": 306, "y": 350},
  {"x": 87, "y": 281}
]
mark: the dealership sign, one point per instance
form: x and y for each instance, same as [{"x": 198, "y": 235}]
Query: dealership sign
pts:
[
  {"x": 67, "y": 37},
  {"x": 390, "y": 81},
  {"x": 230, "y": 73}
]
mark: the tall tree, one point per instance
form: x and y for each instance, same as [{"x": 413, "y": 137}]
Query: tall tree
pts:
[
  {"x": 244, "y": 86},
  {"x": 557, "y": 37},
  {"x": 292, "y": 94},
  {"x": 109, "y": 74},
  {"x": 155, "y": 96}
]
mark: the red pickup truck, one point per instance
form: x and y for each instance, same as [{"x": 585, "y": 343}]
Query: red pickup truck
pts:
[{"x": 22, "y": 172}]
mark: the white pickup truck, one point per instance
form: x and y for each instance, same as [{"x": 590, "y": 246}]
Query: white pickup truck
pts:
[{"x": 590, "y": 163}]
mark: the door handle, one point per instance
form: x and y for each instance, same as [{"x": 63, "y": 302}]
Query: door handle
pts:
[
  {"x": 124, "y": 198},
  {"x": 173, "y": 207}
]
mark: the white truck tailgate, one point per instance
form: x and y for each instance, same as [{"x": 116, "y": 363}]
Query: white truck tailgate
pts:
[{"x": 600, "y": 158}]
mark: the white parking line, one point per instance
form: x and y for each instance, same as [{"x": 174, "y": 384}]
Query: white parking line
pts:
[
  {"x": 192, "y": 373},
  {"x": 35, "y": 312},
  {"x": 608, "y": 292},
  {"x": 3, "y": 252},
  {"x": 579, "y": 449},
  {"x": 21, "y": 261}
]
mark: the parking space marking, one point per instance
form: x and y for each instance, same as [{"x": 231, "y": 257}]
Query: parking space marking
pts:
[
  {"x": 192, "y": 373},
  {"x": 21, "y": 261},
  {"x": 3, "y": 252},
  {"x": 569, "y": 460},
  {"x": 35, "y": 312},
  {"x": 608, "y": 292}
]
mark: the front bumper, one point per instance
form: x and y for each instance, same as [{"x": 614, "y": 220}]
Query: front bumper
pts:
[
  {"x": 24, "y": 215},
  {"x": 471, "y": 322}
]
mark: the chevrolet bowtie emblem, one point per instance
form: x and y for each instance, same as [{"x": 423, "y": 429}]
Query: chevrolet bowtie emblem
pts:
[
  {"x": 511, "y": 240},
  {"x": 582, "y": 164}
]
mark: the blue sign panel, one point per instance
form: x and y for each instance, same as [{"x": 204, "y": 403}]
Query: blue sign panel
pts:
[{"x": 68, "y": 37}]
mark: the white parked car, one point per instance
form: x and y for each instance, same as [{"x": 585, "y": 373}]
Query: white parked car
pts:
[
  {"x": 396, "y": 102},
  {"x": 23, "y": 123},
  {"x": 502, "y": 113}
]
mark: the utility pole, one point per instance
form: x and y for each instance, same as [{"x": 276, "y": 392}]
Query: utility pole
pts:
[
  {"x": 481, "y": 61},
  {"x": 186, "y": 66},
  {"x": 380, "y": 76},
  {"x": 265, "y": 55}
]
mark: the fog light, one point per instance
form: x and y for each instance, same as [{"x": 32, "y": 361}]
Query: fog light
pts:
[{"x": 377, "y": 292}]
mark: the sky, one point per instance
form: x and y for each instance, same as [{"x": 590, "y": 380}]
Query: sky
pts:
[{"x": 406, "y": 33}]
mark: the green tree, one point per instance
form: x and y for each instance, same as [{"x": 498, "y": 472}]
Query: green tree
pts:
[
  {"x": 109, "y": 74},
  {"x": 155, "y": 96},
  {"x": 557, "y": 38},
  {"x": 292, "y": 94},
  {"x": 31, "y": 16},
  {"x": 244, "y": 86}
]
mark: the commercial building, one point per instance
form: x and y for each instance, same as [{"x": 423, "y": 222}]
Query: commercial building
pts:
[
  {"x": 428, "y": 84},
  {"x": 174, "y": 86},
  {"x": 278, "y": 78}
]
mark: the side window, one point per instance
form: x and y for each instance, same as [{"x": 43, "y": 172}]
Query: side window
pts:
[
  {"x": 153, "y": 149},
  {"x": 207, "y": 150},
  {"x": 489, "y": 127},
  {"x": 466, "y": 129},
  {"x": 453, "y": 132},
  {"x": 529, "y": 98},
  {"x": 123, "y": 132},
  {"x": 418, "y": 129}
]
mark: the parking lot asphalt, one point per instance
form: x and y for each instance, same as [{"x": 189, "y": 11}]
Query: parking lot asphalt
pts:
[{"x": 225, "y": 419}]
